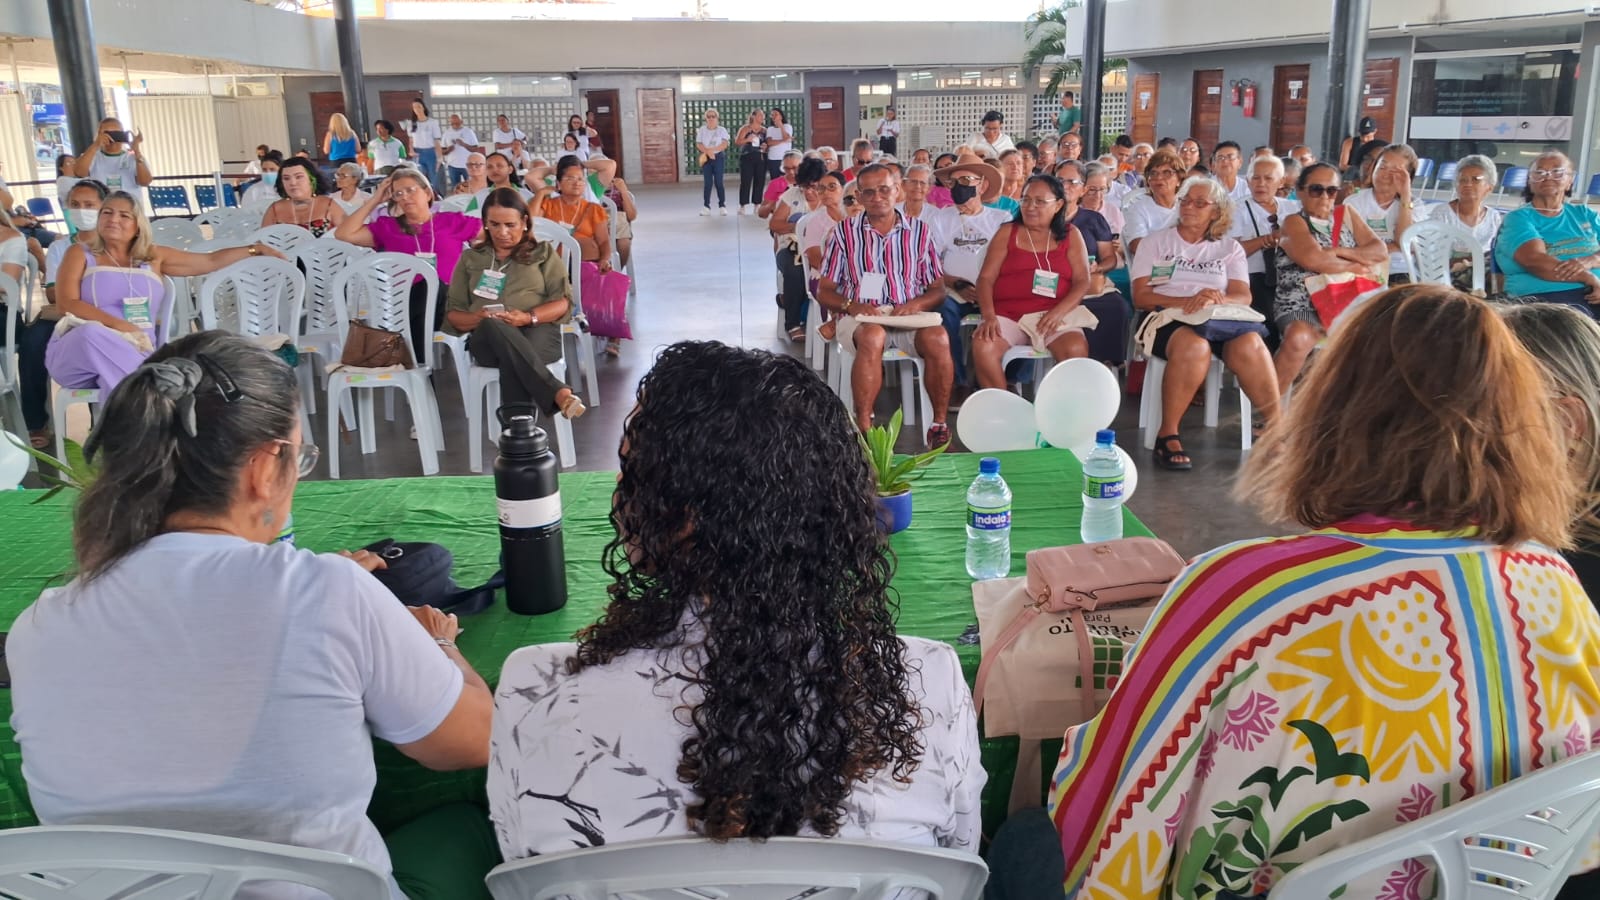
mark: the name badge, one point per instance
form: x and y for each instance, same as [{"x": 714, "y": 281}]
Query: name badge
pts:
[
  {"x": 489, "y": 285},
  {"x": 136, "y": 310},
  {"x": 1045, "y": 282},
  {"x": 1162, "y": 274},
  {"x": 431, "y": 259},
  {"x": 873, "y": 287},
  {"x": 114, "y": 182},
  {"x": 1379, "y": 226}
]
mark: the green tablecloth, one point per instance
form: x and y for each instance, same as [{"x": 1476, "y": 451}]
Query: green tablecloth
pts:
[{"x": 931, "y": 580}]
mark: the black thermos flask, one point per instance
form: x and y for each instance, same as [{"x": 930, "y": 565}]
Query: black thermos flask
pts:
[{"x": 529, "y": 499}]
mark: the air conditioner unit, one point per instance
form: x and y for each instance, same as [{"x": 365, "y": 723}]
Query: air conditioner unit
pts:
[{"x": 249, "y": 89}]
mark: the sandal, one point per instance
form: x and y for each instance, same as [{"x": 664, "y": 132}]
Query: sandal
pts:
[
  {"x": 614, "y": 348},
  {"x": 1168, "y": 458},
  {"x": 41, "y": 439},
  {"x": 797, "y": 334},
  {"x": 938, "y": 434}
]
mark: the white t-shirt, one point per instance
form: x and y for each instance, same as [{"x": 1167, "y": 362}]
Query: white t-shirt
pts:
[
  {"x": 14, "y": 252},
  {"x": 456, "y": 157},
  {"x": 1240, "y": 189},
  {"x": 425, "y": 135},
  {"x": 354, "y": 203},
  {"x": 1250, "y": 222},
  {"x": 117, "y": 173},
  {"x": 888, "y": 127},
  {"x": 1383, "y": 223},
  {"x": 549, "y": 790},
  {"x": 1177, "y": 268},
  {"x": 506, "y": 137},
  {"x": 1485, "y": 231},
  {"x": 210, "y": 684},
  {"x": 1144, "y": 216},
  {"x": 962, "y": 240},
  {"x": 710, "y": 137},
  {"x": 982, "y": 147},
  {"x": 779, "y": 139},
  {"x": 53, "y": 256}
]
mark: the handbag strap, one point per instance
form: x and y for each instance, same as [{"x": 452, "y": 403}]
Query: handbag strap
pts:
[
  {"x": 1014, "y": 630},
  {"x": 1338, "y": 226}
]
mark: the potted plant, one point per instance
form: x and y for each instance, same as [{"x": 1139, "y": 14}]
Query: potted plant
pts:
[
  {"x": 57, "y": 475},
  {"x": 894, "y": 475}
]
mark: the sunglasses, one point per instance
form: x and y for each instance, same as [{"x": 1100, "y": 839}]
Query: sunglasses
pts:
[
  {"x": 1321, "y": 190},
  {"x": 1272, "y": 219}
]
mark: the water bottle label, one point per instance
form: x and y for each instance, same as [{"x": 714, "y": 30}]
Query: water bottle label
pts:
[
  {"x": 536, "y": 513},
  {"x": 988, "y": 518},
  {"x": 1097, "y": 488},
  {"x": 286, "y": 535}
]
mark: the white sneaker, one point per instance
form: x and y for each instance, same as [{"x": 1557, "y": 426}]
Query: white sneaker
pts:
[
  {"x": 741, "y": 210},
  {"x": 705, "y": 210},
  {"x": 724, "y": 209}
]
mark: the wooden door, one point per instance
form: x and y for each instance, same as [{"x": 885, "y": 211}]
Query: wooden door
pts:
[
  {"x": 396, "y": 107},
  {"x": 827, "y": 120},
  {"x": 658, "y": 139},
  {"x": 323, "y": 105},
  {"x": 608, "y": 122},
  {"x": 1290, "y": 87},
  {"x": 1205, "y": 109},
  {"x": 1146, "y": 100},
  {"x": 1378, "y": 95}
]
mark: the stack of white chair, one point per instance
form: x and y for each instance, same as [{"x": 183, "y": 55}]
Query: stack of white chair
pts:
[
  {"x": 286, "y": 239},
  {"x": 176, "y": 232},
  {"x": 18, "y": 299},
  {"x": 456, "y": 203},
  {"x": 380, "y": 285},
  {"x": 320, "y": 336}
]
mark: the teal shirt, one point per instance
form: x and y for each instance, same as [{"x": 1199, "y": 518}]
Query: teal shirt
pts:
[
  {"x": 1576, "y": 232},
  {"x": 1067, "y": 118},
  {"x": 1005, "y": 203}
]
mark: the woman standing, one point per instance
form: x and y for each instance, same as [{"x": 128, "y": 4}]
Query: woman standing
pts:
[
  {"x": 413, "y": 227},
  {"x": 1388, "y": 207},
  {"x": 347, "y": 179},
  {"x": 426, "y": 135},
  {"x": 1476, "y": 177},
  {"x": 385, "y": 151},
  {"x": 113, "y": 283},
  {"x": 1034, "y": 275},
  {"x": 304, "y": 201},
  {"x": 780, "y": 137},
  {"x": 752, "y": 141},
  {"x": 1309, "y": 248},
  {"x": 339, "y": 143},
  {"x": 711, "y": 141},
  {"x": 581, "y": 134},
  {"x": 510, "y": 293}
]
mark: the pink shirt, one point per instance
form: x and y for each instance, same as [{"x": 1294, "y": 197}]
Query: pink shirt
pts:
[
  {"x": 444, "y": 235},
  {"x": 775, "y": 188},
  {"x": 939, "y": 197}
]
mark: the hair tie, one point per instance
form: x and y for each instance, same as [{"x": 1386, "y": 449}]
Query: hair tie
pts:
[{"x": 176, "y": 379}]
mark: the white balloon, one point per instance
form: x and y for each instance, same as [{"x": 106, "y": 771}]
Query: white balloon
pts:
[
  {"x": 13, "y": 461},
  {"x": 1076, "y": 399},
  {"x": 1130, "y": 474},
  {"x": 993, "y": 420}
]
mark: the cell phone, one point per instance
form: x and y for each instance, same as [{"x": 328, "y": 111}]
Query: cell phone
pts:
[
  {"x": 121, "y": 137},
  {"x": 493, "y": 309}
]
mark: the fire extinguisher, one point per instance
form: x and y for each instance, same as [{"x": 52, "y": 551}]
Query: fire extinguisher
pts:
[
  {"x": 1233, "y": 93},
  {"x": 1249, "y": 101}
]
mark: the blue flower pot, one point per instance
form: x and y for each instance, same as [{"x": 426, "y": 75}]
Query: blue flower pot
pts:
[{"x": 894, "y": 513}]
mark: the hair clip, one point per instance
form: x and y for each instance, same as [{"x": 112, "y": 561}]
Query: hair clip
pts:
[{"x": 225, "y": 384}]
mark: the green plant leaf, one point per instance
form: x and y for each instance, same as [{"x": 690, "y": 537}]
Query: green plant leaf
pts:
[
  {"x": 48, "y": 494},
  {"x": 1318, "y": 820}
]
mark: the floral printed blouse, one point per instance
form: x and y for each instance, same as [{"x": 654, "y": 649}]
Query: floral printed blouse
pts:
[
  {"x": 1294, "y": 695},
  {"x": 590, "y": 759}
]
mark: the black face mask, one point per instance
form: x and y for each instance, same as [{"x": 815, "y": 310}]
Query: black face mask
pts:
[{"x": 961, "y": 193}]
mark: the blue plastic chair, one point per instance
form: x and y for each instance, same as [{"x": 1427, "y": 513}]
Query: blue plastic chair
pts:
[
  {"x": 1447, "y": 176},
  {"x": 170, "y": 198},
  {"x": 42, "y": 209},
  {"x": 1593, "y": 193},
  {"x": 1425, "y": 169},
  {"x": 229, "y": 195},
  {"x": 205, "y": 196},
  {"x": 1516, "y": 178}
]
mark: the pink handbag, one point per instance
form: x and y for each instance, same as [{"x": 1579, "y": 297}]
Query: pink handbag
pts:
[
  {"x": 1039, "y": 635},
  {"x": 605, "y": 302}
]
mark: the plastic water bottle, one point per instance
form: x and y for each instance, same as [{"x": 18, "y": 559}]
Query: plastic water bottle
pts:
[
  {"x": 988, "y": 523},
  {"x": 1102, "y": 490}
]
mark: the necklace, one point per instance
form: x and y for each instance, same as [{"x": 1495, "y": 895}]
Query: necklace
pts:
[
  {"x": 1038, "y": 262},
  {"x": 576, "y": 210}
]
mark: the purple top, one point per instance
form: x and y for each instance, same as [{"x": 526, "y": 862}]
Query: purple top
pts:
[
  {"x": 444, "y": 235},
  {"x": 134, "y": 295}
]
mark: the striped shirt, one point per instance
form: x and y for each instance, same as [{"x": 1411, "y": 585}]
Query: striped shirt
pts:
[{"x": 906, "y": 255}]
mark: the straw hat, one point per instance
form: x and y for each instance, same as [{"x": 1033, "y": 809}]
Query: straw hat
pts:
[{"x": 974, "y": 164}]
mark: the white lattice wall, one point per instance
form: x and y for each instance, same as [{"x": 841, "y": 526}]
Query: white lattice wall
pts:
[
  {"x": 545, "y": 121},
  {"x": 958, "y": 113},
  {"x": 1113, "y": 107}
]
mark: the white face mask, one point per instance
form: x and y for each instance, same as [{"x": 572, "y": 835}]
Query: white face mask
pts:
[{"x": 83, "y": 219}]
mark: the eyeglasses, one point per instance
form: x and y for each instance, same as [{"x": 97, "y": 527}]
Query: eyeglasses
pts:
[
  {"x": 1548, "y": 174},
  {"x": 1161, "y": 173},
  {"x": 406, "y": 192},
  {"x": 1475, "y": 179},
  {"x": 1036, "y": 201},
  {"x": 919, "y": 182},
  {"x": 1094, "y": 190},
  {"x": 874, "y": 192},
  {"x": 475, "y": 165},
  {"x": 305, "y": 455},
  {"x": 1321, "y": 190},
  {"x": 1196, "y": 204},
  {"x": 571, "y": 179},
  {"x": 1073, "y": 182}
]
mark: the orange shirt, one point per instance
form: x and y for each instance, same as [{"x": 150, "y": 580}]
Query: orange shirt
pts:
[{"x": 585, "y": 221}]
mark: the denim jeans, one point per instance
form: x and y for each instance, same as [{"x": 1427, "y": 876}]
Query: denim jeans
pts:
[
  {"x": 951, "y": 311},
  {"x": 712, "y": 173}
]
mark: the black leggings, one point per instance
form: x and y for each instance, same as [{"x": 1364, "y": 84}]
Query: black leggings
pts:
[
  {"x": 752, "y": 176},
  {"x": 421, "y": 331},
  {"x": 522, "y": 355}
]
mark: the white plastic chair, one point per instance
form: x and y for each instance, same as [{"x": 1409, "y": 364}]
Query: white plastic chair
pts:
[
  {"x": 910, "y": 393},
  {"x": 166, "y": 328},
  {"x": 613, "y": 218},
  {"x": 1428, "y": 246},
  {"x": 176, "y": 232},
  {"x": 94, "y": 862},
  {"x": 322, "y": 260},
  {"x": 258, "y": 298},
  {"x": 1150, "y": 402},
  {"x": 817, "y": 868},
  {"x": 483, "y": 389},
  {"x": 582, "y": 344},
  {"x": 1042, "y": 362},
  {"x": 1515, "y": 841},
  {"x": 383, "y": 281},
  {"x": 286, "y": 239},
  {"x": 457, "y": 203},
  {"x": 231, "y": 223},
  {"x": 16, "y": 301}
]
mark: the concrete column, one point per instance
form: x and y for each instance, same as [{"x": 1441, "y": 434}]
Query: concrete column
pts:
[
  {"x": 1347, "y": 72},
  {"x": 1094, "y": 58},
  {"x": 79, "y": 66},
  {"x": 351, "y": 78}
]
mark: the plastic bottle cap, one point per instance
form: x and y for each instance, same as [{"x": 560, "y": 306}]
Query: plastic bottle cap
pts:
[
  {"x": 989, "y": 466},
  {"x": 1105, "y": 436}
]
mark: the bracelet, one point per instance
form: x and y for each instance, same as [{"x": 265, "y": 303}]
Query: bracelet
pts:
[{"x": 448, "y": 645}]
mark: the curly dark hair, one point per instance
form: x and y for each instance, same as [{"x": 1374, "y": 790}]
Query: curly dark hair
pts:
[{"x": 746, "y": 526}]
